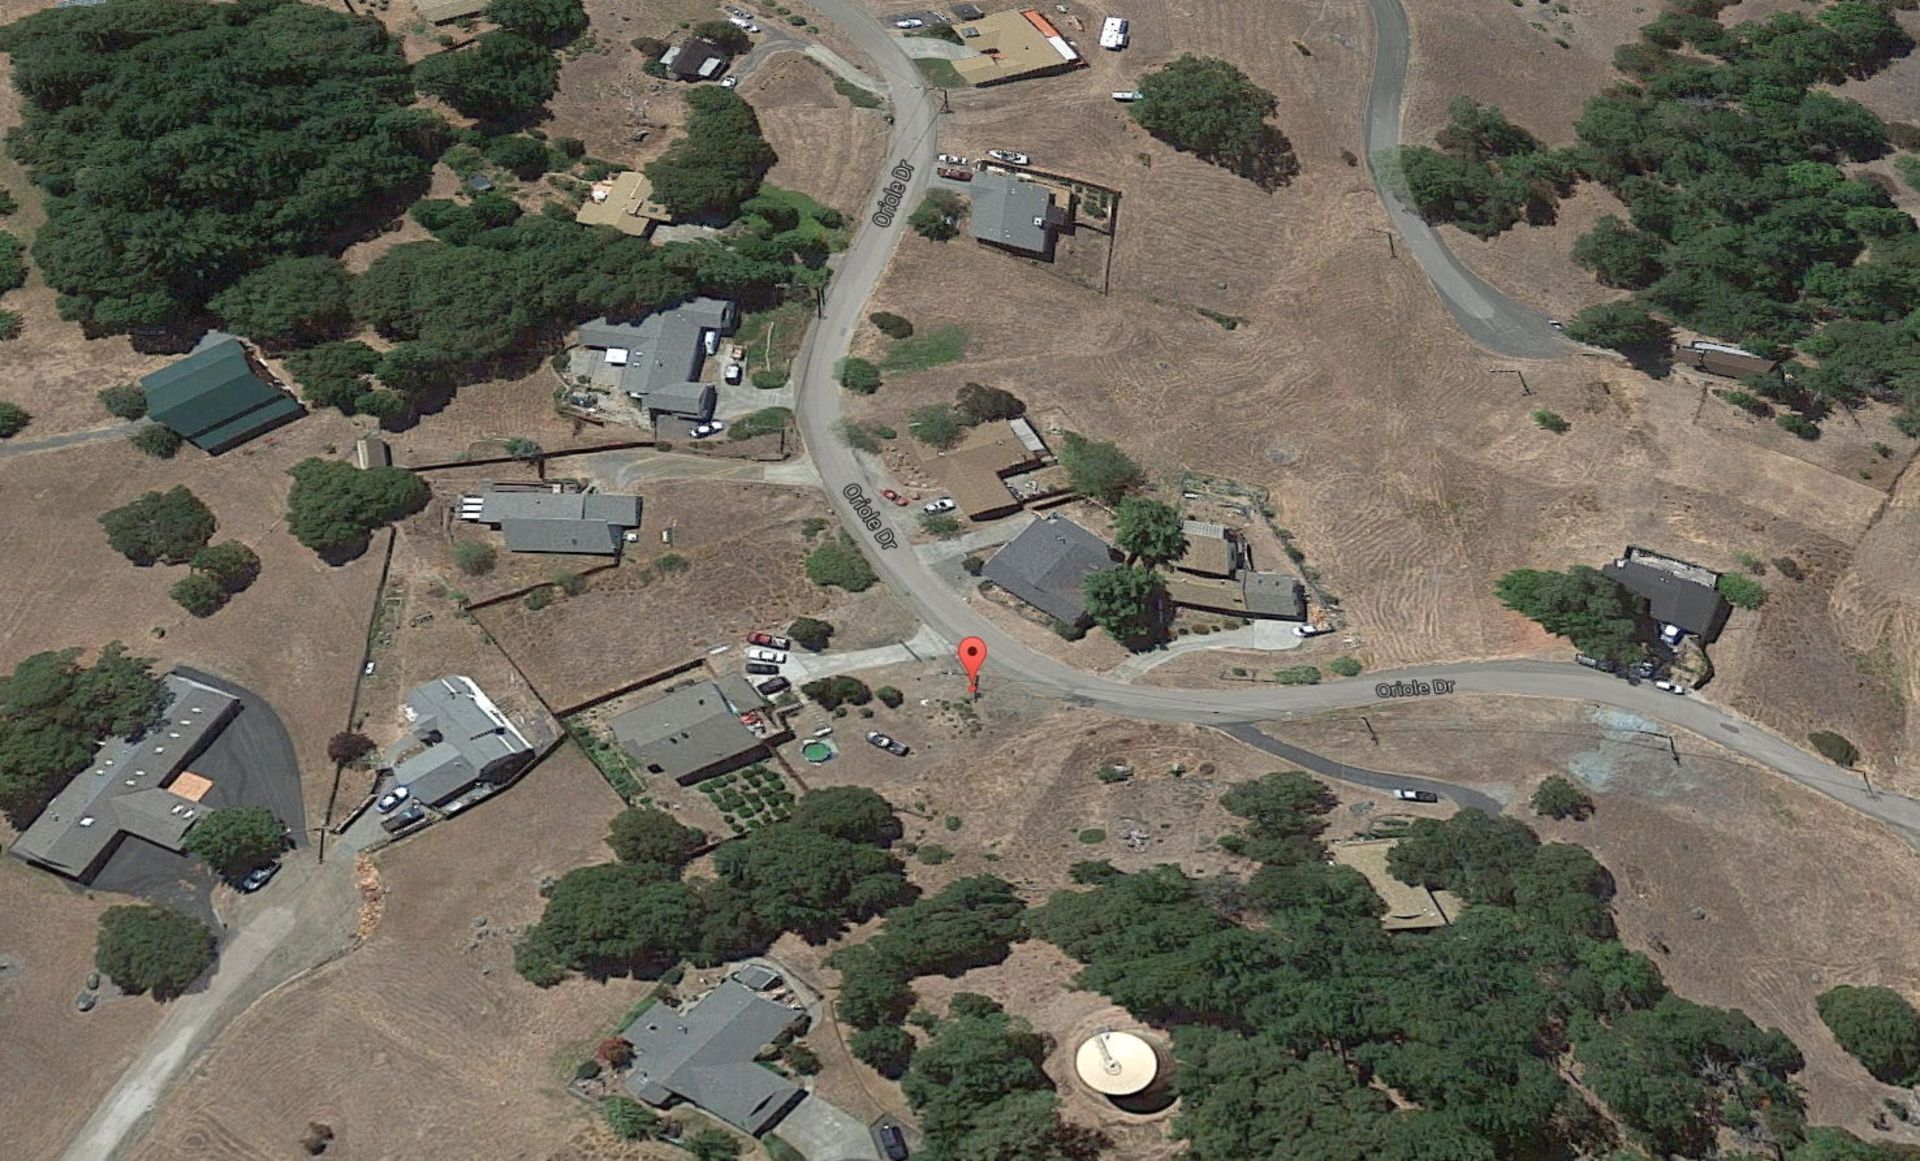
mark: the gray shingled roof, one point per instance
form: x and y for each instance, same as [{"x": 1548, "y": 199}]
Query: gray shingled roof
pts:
[
  {"x": 693, "y": 732},
  {"x": 475, "y": 741},
  {"x": 588, "y": 523},
  {"x": 1045, "y": 565},
  {"x": 124, "y": 791},
  {"x": 1273, "y": 594},
  {"x": 1673, "y": 600},
  {"x": 705, "y": 1056},
  {"x": 1004, "y": 212},
  {"x": 665, "y": 352}
]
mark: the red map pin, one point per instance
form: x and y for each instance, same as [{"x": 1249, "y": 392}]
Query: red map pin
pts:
[{"x": 973, "y": 654}]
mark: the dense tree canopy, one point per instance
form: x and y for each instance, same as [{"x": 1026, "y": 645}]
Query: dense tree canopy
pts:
[
  {"x": 1148, "y": 531},
  {"x": 981, "y": 1093},
  {"x": 718, "y": 164},
  {"x": 1727, "y": 151},
  {"x": 235, "y": 839},
  {"x": 547, "y": 21},
  {"x": 1292, "y": 1024},
  {"x": 1586, "y": 607},
  {"x": 160, "y": 527},
  {"x": 167, "y": 181},
  {"x": 1097, "y": 468},
  {"x": 1209, "y": 108},
  {"x": 55, "y": 711},
  {"x": 1129, "y": 603},
  {"x": 291, "y": 302},
  {"x": 502, "y": 77},
  {"x": 152, "y": 949},
  {"x": 1878, "y": 1026},
  {"x": 334, "y": 506},
  {"x": 645, "y": 834}
]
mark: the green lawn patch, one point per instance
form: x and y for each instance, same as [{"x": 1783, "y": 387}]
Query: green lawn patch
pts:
[
  {"x": 772, "y": 336},
  {"x": 856, "y": 96},
  {"x": 940, "y": 73},
  {"x": 815, "y": 218},
  {"x": 943, "y": 344}
]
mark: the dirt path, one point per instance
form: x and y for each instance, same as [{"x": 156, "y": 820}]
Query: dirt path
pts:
[{"x": 71, "y": 439}]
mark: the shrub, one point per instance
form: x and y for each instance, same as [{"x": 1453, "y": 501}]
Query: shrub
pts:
[
  {"x": 1067, "y": 630},
  {"x": 890, "y": 697},
  {"x": 628, "y": 1119},
  {"x": 766, "y": 421},
  {"x": 978, "y": 403},
  {"x": 1878, "y": 1027},
  {"x": 1834, "y": 748},
  {"x": 1345, "y": 666},
  {"x": 159, "y": 442},
  {"x": 347, "y": 746},
  {"x": 859, "y": 375},
  {"x": 769, "y": 380},
  {"x": 1742, "y": 591},
  {"x": 1788, "y": 567},
  {"x": 125, "y": 401},
  {"x": 13, "y": 418},
  {"x": 973, "y": 565},
  {"x": 230, "y": 564},
  {"x": 152, "y": 949},
  {"x": 1551, "y": 421},
  {"x": 810, "y": 633},
  {"x": 1093, "y": 834},
  {"x": 838, "y": 564},
  {"x": 891, "y": 325},
  {"x": 1298, "y": 675},
  {"x": 474, "y": 557},
  {"x": 538, "y": 599},
  {"x": 936, "y": 425},
  {"x": 833, "y": 692},
  {"x": 1558, "y": 797},
  {"x": 1798, "y": 425},
  {"x": 938, "y": 215},
  {"x": 944, "y": 525},
  {"x": 886, "y": 1049},
  {"x": 933, "y": 854},
  {"x": 159, "y": 527},
  {"x": 198, "y": 593},
  {"x": 11, "y": 324}
]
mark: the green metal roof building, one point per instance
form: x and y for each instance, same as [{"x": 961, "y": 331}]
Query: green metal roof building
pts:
[{"x": 215, "y": 399}]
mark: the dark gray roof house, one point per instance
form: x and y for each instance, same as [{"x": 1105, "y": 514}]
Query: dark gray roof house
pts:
[
  {"x": 458, "y": 739},
  {"x": 1677, "y": 593},
  {"x": 694, "y": 59},
  {"x": 132, "y": 787},
  {"x": 659, "y": 358},
  {"x": 1046, "y": 563},
  {"x": 587, "y": 523},
  {"x": 218, "y": 397},
  {"x": 1014, "y": 215},
  {"x": 704, "y": 1055},
  {"x": 1273, "y": 594},
  {"x": 697, "y": 732}
]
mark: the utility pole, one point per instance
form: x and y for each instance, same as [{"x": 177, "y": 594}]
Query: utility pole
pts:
[
  {"x": 1524, "y": 389},
  {"x": 1365, "y": 721},
  {"x": 1391, "y": 252}
]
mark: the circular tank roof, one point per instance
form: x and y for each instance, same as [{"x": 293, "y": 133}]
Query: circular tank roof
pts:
[{"x": 1116, "y": 1063}]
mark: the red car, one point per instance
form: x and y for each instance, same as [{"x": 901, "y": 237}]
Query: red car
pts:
[
  {"x": 896, "y": 497},
  {"x": 954, "y": 173},
  {"x": 769, "y": 641}
]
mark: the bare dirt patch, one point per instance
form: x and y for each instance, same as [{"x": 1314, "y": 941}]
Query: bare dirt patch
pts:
[
  {"x": 59, "y": 1061},
  {"x": 429, "y": 1007},
  {"x": 294, "y": 637}
]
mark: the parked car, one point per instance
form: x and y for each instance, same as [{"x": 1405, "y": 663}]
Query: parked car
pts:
[
  {"x": 892, "y": 1142},
  {"x": 770, "y": 656},
  {"x": 709, "y": 429},
  {"x": 1669, "y": 687},
  {"x": 1643, "y": 671},
  {"x": 876, "y": 738},
  {"x": 1311, "y": 630},
  {"x": 1603, "y": 664},
  {"x": 392, "y": 798},
  {"x": 896, "y": 497},
  {"x": 773, "y": 685},
  {"x": 257, "y": 878},
  {"x": 1009, "y": 156},
  {"x": 734, "y": 373},
  {"x": 1416, "y": 796},
  {"x": 368, "y": 668},
  {"x": 404, "y": 819},
  {"x": 935, "y": 507},
  {"x": 761, "y": 668},
  {"x": 769, "y": 640},
  {"x": 910, "y": 22},
  {"x": 952, "y": 159},
  {"x": 955, "y": 173},
  {"x": 730, "y": 83},
  {"x": 1127, "y": 95}
]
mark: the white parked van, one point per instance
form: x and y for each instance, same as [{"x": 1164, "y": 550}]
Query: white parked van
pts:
[
  {"x": 1113, "y": 34},
  {"x": 1127, "y": 95}
]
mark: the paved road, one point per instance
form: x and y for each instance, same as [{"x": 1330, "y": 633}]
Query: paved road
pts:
[
  {"x": 72, "y": 438},
  {"x": 1490, "y": 318},
  {"x": 943, "y": 610},
  {"x": 1359, "y": 776}
]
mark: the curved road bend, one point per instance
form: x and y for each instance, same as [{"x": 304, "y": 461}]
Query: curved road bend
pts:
[
  {"x": 817, "y": 408},
  {"x": 1490, "y": 318}
]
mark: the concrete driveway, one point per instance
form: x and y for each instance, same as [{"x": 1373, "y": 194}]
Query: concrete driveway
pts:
[{"x": 825, "y": 1132}]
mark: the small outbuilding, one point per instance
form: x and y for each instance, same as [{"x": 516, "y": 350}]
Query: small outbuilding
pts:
[
  {"x": 219, "y": 396},
  {"x": 694, "y": 59}
]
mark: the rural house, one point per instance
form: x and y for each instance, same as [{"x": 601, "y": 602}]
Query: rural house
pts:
[
  {"x": 1684, "y": 596},
  {"x": 1214, "y": 574},
  {"x": 705, "y": 1054},
  {"x": 1212, "y": 549},
  {"x": 456, "y": 740},
  {"x": 1045, "y": 565},
  {"x": 976, "y": 471},
  {"x": 218, "y": 397},
  {"x": 694, "y": 59},
  {"x": 139, "y": 786},
  {"x": 700, "y": 731},
  {"x": 625, "y": 202},
  {"x": 1013, "y": 45},
  {"x": 1014, "y": 215},
  {"x": 585, "y": 523},
  {"x": 657, "y": 361}
]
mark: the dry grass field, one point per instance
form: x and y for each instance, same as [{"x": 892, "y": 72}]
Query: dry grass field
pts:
[
  {"x": 423, "y": 1042},
  {"x": 742, "y": 546},
  {"x": 294, "y": 637},
  {"x": 828, "y": 149},
  {"x": 58, "y": 1061},
  {"x": 1413, "y": 480}
]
